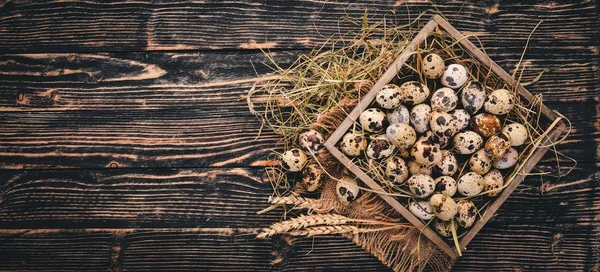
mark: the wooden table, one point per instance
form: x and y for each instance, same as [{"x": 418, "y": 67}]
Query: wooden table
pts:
[{"x": 125, "y": 143}]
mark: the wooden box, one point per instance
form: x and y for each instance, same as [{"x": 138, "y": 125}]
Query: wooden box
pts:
[{"x": 437, "y": 23}]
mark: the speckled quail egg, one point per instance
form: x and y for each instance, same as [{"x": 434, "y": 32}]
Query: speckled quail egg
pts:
[
  {"x": 466, "y": 213},
  {"x": 389, "y": 97},
  {"x": 441, "y": 140},
  {"x": 421, "y": 209},
  {"x": 467, "y": 142},
  {"x": 347, "y": 189},
  {"x": 460, "y": 119},
  {"x": 492, "y": 182},
  {"x": 293, "y": 160},
  {"x": 311, "y": 140},
  {"x": 373, "y": 120},
  {"x": 443, "y": 206},
  {"x": 479, "y": 162},
  {"x": 403, "y": 153},
  {"x": 444, "y": 99},
  {"x": 399, "y": 115},
  {"x": 455, "y": 76},
  {"x": 353, "y": 144},
  {"x": 472, "y": 97},
  {"x": 499, "y": 102},
  {"x": 441, "y": 124},
  {"x": 426, "y": 153},
  {"x": 433, "y": 66},
  {"x": 379, "y": 148},
  {"x": 445, "y": 185},
  {"x": 416, "y": 168},
  {"x": 401, "y": 135},
  {"x": 421, "y": 185},
  {"x": 508, "y": 160},
  {"x": 448, "y": 165},
  {"x": 517, "y": 132},
  {"x": 414, "y": 92},
  {"x": 313, "y": 177},
  {"x": 420, "y": 116},
  {"x": 396, "y": 170},
  {"x": 486, "y": 124},
  {"x": 470, "y": 184},
  {"x": 443, "y": 228},
  {"x": 497, "y": 145}
]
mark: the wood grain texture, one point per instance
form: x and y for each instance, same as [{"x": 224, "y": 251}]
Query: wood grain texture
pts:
[
  {"x": 144, "y": 110},
  {"x": 557, "y": 247},
  {"x": 59, "y": 26},
  {"x": 229, "y": 197}
]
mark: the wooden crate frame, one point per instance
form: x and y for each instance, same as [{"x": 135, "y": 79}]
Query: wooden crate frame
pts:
[{"x": 390, "y": 73}]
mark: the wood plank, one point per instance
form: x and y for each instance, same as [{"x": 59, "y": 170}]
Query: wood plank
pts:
[
  {"x": 516, "y": 247},
  {"x": 210, "y": 134},
  {"x": 59, "y": 26},
  {"x": 229, "y": 197},
  {"x": 161, "y": 79}
]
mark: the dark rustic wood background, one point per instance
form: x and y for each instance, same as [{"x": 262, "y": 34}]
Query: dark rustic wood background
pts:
[{"x": 125, "y": 143}]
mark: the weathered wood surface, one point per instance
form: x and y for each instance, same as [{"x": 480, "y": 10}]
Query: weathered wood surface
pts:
[{"x": 155, "y": 89}]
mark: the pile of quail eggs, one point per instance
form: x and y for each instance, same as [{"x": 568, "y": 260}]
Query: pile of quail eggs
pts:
[{"x": 440, "y": 146}]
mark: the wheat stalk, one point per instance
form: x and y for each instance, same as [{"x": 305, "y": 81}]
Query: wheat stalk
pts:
[
  {"x": 305, "y": 222},
  {"x": 341, "y": 229},
  {"x": 323, "y": 230}
]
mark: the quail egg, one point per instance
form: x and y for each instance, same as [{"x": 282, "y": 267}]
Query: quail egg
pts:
[
  {"x": 396, "y": 170},
  {"x": 441, "y": 124},
  {"x": 353, "y": 144},
  {"x": 470, "y": 184},
  {"x": 444, "y": 99},
  {"x": 421, "y": 209},
  {"x": 445, "y": 185},
  {"x": 448, "y": 165},
  {"x": 311, "y": 140},
  {"x": 517, "y": 132},
  {"x": 313, "y": 177},
  {"x": 466, "y": 213},
  {"x": 480, "y": 163},
  {"x": 508, "y": 160},
  {"x": 433, "y": 66},
  {"x": 455, "y": 76},
  {"x": 379, "y": 148},
  {"x": 401, "y": 135},
  {"x": 426, "y": 153},
  {"x": 404, "y": 153},
  {"x": 499, "y": 102},
  {"x": 467, "y": 142},
  {"x": 399, "y": 115},
  {"x": 421, "y": 186},
  {"x": 443, "y": 206},
  {"x": 443, "y": 228},
  {"x": 414, "y": 92},
  {"x": 486, "y": 124},
  {"x": 373, "y": 120},
  {"x": 389, "y": 97},
  {"x": 472, "y": 97},
  {"x": 347, "y": 189},
  {"x": 460, "y": 119},
  {"x": 293, "y": 160},
  {"x": 415, "y": 168},
  {"x": 441, "y": 140},
  {"x": 492, "y": 182},
  {"x": 497, "y": 145},
  {"x": 419, "y": 117}
]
